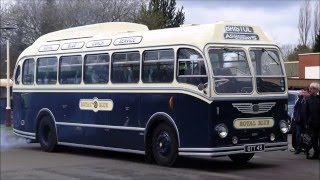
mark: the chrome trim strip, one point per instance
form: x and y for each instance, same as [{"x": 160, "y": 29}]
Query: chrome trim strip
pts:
[
  {"x": 24, "y": 133},
  {"x": 276, "y": 144},
  {"x": 102, "y": 148},
  {"x": 212, "y": 149},
  {"x": 267, "y": 145},
  {"x": 165, "y": 89},
  {"x": 210, "y": 154},
  {"x": 24, "y": 136},
  {"x": 277, "y": 148},
  {"x": 101, "y": 126}
]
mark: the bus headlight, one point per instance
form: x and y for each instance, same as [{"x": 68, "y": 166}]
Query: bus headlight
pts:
[
  {"x": 222, "y": 130},
  {"x": 284, "y": 127}
]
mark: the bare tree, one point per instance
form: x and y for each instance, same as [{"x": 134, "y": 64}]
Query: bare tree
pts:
[
  {"x": 304, "y": 22},
  {"x": 34, "y": 18},
  {"x": 316, "y": 22},
  {"x": 286, "y": 50},
  {"x": 77, "y": 13}
]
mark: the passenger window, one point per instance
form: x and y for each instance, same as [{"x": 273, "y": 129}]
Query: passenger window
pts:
[
  {"x": 125, "y": 67},
  {"x": 28, "y": 72},
  {"x": 47, "y": 70},
  {"x": 96, "y": 69},
  {"x": 17, "y": 76},
  {"x": 158, "y": 66},
  {"x": 191, "y": 67},
  {"x": 70, "y": 70}
]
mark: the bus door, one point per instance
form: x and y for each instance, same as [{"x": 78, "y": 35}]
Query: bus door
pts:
[
  {"x": 124, "y": 115},
  {"x": 96, "y": 106}
]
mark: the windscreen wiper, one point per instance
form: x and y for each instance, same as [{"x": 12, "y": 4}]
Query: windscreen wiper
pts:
[
  {"x": 228, "y": 50},
  {"x": 264, "y": 50}
]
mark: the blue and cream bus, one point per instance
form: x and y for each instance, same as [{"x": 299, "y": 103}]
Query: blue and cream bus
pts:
[{"x": 197, "y": 90}]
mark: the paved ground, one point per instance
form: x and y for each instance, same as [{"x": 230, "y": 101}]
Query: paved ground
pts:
[{"x": 26, "y": 161}]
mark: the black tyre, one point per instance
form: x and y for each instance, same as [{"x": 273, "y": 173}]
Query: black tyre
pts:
[
  {"x": 241, "y": 158},
  {"x": 47, "y": 135},
  {"x": 164, "y": 145}
]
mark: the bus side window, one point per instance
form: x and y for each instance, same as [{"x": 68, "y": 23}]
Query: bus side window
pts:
[
  {"x": 96, "y": 69},
  {"x": 191, "y": 67},
  {"x": 28, "y": 72},
  {"x": 158, "y": 66},
  {"x": 70, "y": 70},
  {"x": 47, "y": 70},
  {"x": 17, "y": 75},
  {"x": 125, "y": 67}
]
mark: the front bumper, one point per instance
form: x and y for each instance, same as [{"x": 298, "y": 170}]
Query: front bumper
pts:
[{"x": 223, "y": 151}]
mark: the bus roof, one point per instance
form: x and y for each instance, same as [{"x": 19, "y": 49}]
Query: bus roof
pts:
[{"x": 117, "y": 35}]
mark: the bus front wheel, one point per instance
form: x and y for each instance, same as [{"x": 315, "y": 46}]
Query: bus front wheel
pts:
[
  {"x": 164, "y": 145},
  {"x": 47, "y": 135},
  {"x": 241, "y": 158}
]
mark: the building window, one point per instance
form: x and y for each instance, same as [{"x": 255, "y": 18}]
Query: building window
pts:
[
  {"x": 47, "y": 70},
  {"x": 17, "y": 76},
  {"x": 70, "y": 70},
  {"x": 191, "y": 67},
  {"x": 158, "y": 66},
  {"x": 125, "y": 67},
  {"x": 28, "y": 72},
  {"x": 96, "y": 69}
]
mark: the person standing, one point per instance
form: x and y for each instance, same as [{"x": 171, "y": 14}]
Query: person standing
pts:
[
  {"x": 299, "y": 118},
  {"x": 313, "y": 117}
]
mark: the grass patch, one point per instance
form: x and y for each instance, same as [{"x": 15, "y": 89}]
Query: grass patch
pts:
[{"x": 3, "y": 127}]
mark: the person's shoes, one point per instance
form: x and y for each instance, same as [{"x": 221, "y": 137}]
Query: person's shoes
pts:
[
  {"x": 298, "y": 151},
  {"x": 315, "y": 156}
]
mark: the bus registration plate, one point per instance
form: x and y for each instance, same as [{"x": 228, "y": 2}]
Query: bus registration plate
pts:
[{"x": 254, "y": 148}]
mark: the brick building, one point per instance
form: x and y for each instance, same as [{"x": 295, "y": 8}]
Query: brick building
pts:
[{"x": 309, "y": 71}]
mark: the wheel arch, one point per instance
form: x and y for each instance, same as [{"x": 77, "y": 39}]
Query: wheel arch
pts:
[
  {"x": 156, "y": 119},
  {"x": 42, "y": 113}
]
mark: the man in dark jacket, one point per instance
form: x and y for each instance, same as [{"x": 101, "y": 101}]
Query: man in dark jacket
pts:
[
  {"x": 299, "y": 115},
  {"x": 313, "y": 117}
]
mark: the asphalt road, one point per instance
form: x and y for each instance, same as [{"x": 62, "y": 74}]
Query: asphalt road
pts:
[{"x": 26, "y": 161}]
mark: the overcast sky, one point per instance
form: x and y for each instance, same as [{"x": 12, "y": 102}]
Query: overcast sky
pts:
[{"x": 279, "y": 18}]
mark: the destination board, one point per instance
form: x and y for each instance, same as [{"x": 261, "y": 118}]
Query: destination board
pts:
[
  {"x": 128, "y": 40},
  {"x": 51, "y": 47},
  {"x": 98, "y": 43},
  {"x": 243, "y": 33},
  {"x": 241, "y": 36},
  {"x": 72, "y": 45}
]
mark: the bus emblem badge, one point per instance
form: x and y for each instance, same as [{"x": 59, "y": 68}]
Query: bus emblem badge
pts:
[
  {"x": 249, "y": 108},
  {"x": 96, "y": 104},
  {"x": 255, "y": 108}
]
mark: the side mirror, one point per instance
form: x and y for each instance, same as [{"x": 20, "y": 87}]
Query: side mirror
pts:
[{"x": 201, "y": 87}]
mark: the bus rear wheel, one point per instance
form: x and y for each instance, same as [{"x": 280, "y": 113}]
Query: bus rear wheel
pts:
[
  {"x": 164, "y": 145},
  {"x": 241, "y": 158},
  {"x": 47, "y": 135}
]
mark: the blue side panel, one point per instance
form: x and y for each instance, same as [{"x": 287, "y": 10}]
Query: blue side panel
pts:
[
  {"x": 152, "y": 103},
  {"x": 193, "y": 121}
]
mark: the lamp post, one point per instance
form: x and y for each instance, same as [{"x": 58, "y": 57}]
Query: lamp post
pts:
[{"x": 8, "y": 108}]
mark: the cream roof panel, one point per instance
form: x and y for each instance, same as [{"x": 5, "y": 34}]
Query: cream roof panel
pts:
[{"x": 196, "y": 35}]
